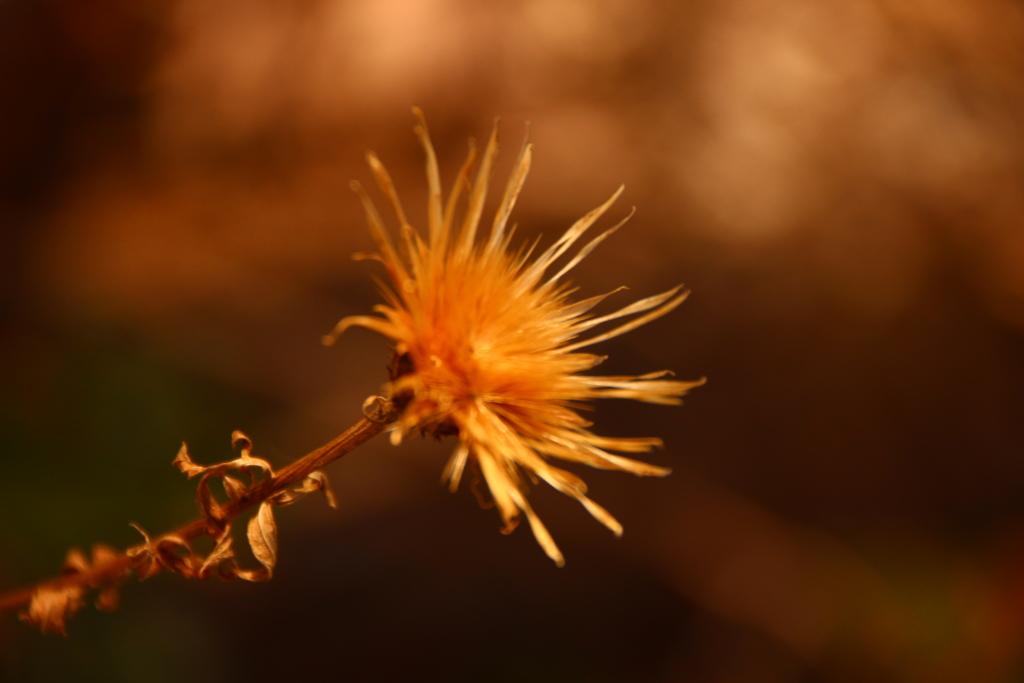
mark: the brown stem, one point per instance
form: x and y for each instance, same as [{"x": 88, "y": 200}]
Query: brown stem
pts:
[{"x": 112, "y": 571}]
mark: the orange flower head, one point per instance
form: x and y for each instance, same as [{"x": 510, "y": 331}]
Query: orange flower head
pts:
[{"x": 488, "y": 343}]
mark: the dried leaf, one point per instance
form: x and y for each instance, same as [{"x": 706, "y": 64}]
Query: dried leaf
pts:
[
  {"x": 234, "y": 488},
  {"x": 184, "y": 463},
  {"x": 104, "y": 554},
  {"x": 210, "y": 508},
  {"x": 263, "y": 536},
  {"x": 144, "y": 559},
  {"x": 222, "y": 553},
  {"x": 74, "y": 563},
  {"x": 175, "y": 554},
  {"x": 245, "y": 462},
  {"x": 208, "y": 505},
  {"x": 255, "y": 575},
  {"x": 241, "y": 442},
  {"x": 317, "y": 481},
  {"x": 50, "y": 608},
  {"x": 263, "y": 541},
  {"x": 248, "y": 463}
]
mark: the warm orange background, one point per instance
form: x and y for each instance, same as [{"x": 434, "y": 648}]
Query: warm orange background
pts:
[{"x": 841, "y": 185}]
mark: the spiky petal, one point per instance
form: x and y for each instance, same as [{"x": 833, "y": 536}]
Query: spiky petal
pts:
[{"x": 487, "y": 342}]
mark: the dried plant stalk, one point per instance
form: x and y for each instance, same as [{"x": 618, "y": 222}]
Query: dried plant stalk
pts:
[
  {"x": 487, "y": 347},
  {"x": 50, "y": 603}
]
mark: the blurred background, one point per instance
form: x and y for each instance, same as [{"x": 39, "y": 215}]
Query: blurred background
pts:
[{"x": 840, "y": 184}]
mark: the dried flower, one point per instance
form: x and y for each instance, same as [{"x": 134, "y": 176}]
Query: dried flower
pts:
[{"x": 487, "y": 343}]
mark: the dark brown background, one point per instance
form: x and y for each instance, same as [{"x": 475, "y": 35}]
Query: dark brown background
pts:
[{"x": 840, "y": 184}]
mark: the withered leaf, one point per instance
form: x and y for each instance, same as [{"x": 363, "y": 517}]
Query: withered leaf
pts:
[
  {"x": 174, "y": 553},
  {"x": 234, "y": 488},
  {"x": 221, "y": 553},
  {"x": 144, "y": 559},
  {"x": 74, "y": 563},
  {"x": 263, "y": 541},
  {"x": 210, "y": 508},
  {"x": 50, "y": 608},
  {"x": 316, "y": 481},
  {"x": 240, "y": 441},
  {"x": 249, "y": 462},
  {"x": 184, "y": 463},
  {"x": 208, "y": 505},
  {"x": 241, "y": 463},
  {"x": 245, "y": 461},
  {"x": 104, "y": 554}
]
